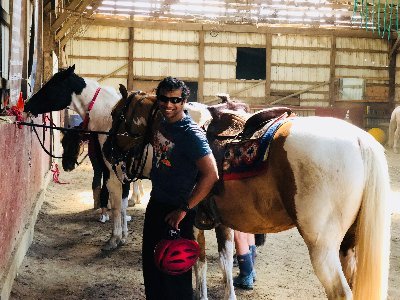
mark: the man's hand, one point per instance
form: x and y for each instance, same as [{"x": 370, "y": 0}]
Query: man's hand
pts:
[{"x": 175, "y": 217}]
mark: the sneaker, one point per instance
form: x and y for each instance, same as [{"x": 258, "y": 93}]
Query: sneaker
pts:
[
  {"x": 104, "y": 218},
  {"x": 244, "y": 282},
  {"x": 128, "y": 218}
]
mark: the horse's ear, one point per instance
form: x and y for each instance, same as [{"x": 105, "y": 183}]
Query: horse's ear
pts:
[
  {"x": 123, "y": 91},
  {"x": 70, "y": 70},
  {"x": 224, "y": 97}
]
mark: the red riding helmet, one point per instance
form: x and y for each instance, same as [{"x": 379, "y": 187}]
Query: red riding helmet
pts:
[{"x": 177, "y": 256}]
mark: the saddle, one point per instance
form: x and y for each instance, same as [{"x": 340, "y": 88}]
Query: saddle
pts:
[
  {"x": 239, "y": 144},
  {"x": 262, "y": 117}
]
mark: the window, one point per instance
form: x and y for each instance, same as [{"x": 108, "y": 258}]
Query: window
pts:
[
  {"x": 250, "y": 63},
  {"x": 352, "y": 89},
  {"x": 4, "y": 52},
  {"x": 4, "y": 38}
]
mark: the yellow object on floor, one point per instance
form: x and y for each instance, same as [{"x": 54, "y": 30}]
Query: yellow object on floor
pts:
[{"x": 378, "y": 134}]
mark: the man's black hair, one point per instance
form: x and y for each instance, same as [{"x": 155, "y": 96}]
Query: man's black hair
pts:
[{"x": 171, "y": 84}]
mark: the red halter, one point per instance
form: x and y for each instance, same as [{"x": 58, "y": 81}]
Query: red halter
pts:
[{"x": 86, "y": 120}]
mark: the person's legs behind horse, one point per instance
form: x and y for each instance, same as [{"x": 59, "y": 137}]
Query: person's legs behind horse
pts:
[{"x": 245, "y": 279}]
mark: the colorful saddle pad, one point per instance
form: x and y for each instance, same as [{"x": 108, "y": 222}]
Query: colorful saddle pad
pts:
[{"x": 248, "y": 157}]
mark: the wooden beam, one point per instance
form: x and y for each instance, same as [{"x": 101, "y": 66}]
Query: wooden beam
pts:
[
  {"x": 392, "y": 74},
  {"x": 130, "y": 59},
  {"x": 300, "y": 92},
  {"x": 246, "y": 88},
  {"x": 200, "y": 83},
  {"x": 395, "y": 47},
  {"x": 73, "y": 20},
  {"x": 332, "y": 72},
  {"x": 112, "y": 73},
  {"x": 90, "y": 57},
  {"x": 64, "y": 16},
  {"x": 268, "y": 64}
]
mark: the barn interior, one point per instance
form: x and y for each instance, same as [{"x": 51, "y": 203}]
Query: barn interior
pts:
[{"x": 319, "y": 57}]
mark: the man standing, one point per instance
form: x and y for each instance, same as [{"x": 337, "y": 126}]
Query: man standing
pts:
[{"x": 183, "y": 173}]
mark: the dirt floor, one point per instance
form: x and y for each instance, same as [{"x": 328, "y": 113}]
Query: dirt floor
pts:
[{"x": 65, "y": 261}]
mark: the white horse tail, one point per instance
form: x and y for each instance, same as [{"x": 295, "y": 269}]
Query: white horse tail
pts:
[{"x": 373, "y": 228}]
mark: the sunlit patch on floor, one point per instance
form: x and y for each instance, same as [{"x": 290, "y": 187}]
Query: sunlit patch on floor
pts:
[{"x": 86, "y": 198}]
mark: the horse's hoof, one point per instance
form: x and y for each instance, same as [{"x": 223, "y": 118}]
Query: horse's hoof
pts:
[
  {"x": 110, "y": 246},
  {"x": 122, "y": 242}
]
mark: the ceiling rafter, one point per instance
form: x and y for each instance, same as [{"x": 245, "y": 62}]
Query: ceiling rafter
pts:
[{"x": 314, "y": 13}]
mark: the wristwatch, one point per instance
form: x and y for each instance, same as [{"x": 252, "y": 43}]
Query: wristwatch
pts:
[{"x": 185, "y": 207}]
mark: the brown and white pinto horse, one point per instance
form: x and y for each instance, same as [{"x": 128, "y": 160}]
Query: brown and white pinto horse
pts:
[{"x": 326, "y": 177}]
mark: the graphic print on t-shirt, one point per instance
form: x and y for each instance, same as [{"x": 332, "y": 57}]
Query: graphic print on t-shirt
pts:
[{"x": 162, "y": 150}]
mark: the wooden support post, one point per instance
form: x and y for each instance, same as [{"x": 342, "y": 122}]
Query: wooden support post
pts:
[
  {"x": 39, "y": 65},
  {"x": 48, "y": 44},
  {"x": 392, "y": 73},
  {"x": 268, "y": 63},
  {"x": 332, "y": 73},
  {"x": 200, "y": 83},
  {"x": 130, "y": 59}
]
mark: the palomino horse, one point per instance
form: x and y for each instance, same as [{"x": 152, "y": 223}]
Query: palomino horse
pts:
[
  {"x": 323, "y": 175},
  {"x": 66, "y": 89},
  {"x": 394, "y": 130}
]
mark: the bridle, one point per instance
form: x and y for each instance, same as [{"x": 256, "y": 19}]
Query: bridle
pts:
[{"x": 140, "y": 156}]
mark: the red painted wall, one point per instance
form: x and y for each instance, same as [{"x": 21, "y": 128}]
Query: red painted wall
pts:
[{"x": 23, "y": 166}]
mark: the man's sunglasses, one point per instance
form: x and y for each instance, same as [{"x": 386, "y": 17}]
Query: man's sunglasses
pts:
[{"x": 173, "y": 100}]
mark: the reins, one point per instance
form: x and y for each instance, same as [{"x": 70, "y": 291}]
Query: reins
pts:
[{"x": 137, "y": 172}]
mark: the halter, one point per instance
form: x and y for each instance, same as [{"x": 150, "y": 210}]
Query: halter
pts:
[
  {"x": 87, "y": 118},
  {"x": 131, "y": 154}
]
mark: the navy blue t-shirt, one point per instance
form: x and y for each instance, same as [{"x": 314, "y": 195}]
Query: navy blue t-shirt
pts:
[{"x": 177, "y": 147}]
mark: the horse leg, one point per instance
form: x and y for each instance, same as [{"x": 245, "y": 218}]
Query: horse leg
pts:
[
  {"x": 200, "y": 268},
  {"x": 392, "y": 128},
  {"x": 136, "y": 192},
  {"x": 115, "y": 192},
  {"x": 225, "y": 249},
  {"x": 326, "y": 263},
  {"x": 347, "y": 255},
  {"x": 396, "y": 140},
  {"x": 141, "y": 190},
  {"x": 124, "y": 206}
]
